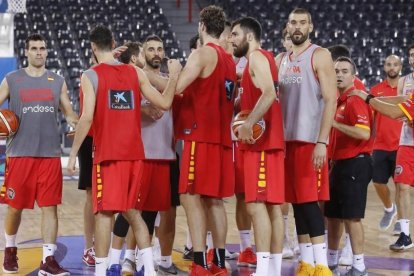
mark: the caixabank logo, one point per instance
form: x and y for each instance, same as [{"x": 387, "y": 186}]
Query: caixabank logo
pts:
[{"x": 121, "y": 99}]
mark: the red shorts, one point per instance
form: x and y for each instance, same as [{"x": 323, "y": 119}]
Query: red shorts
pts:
[
  {"x": 302, "y": 182},
  {"x": 238, "y": 169},
  {"x": 30, "y": 179},
  {"x": 116, "y": 185},
  {"x": 155, "y": 192},
  {"x": 264, "y": 176},
  {"x": 207, "y": 169},
  {"x": 404, "y": 166}
]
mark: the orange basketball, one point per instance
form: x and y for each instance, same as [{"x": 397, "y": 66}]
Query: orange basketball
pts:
[
  {"x": 258, "y": 128},
  {"x": 9, "y": 123}
]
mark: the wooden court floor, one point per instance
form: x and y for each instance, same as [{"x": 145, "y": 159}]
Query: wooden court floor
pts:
[{"x": 71, "y": 223}]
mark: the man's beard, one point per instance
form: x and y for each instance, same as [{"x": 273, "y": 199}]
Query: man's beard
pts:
[{"x": 241, "y": 50}]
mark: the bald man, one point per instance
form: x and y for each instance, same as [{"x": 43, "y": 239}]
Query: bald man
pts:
[{"x": 387, "y": 137}]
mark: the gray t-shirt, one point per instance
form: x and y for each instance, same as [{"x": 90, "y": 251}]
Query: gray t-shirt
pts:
[{"x": 35, "y": 100}]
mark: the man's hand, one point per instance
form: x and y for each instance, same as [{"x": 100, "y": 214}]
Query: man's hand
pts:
[
  {"x": 244, "y": 133},
  {"x": 71, "y": 167},
  {"x": 174, "y": 67},
  {"x": 118, "y": 51},
  {"x": 362, "y": 94},
  {"x": 319, "y": 156},
  {"x": 152, "y": 112}
]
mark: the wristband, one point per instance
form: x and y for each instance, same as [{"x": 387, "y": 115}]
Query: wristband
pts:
[
  {"x": 369, "y": 97},
  {"x": 323, "y": 143}
]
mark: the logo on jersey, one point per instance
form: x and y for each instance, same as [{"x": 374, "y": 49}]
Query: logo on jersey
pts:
[
  {"x": 229, "y": 86},
  {"x": 398, "y": 170},
  {"x": 121, "y": 99},
  {"x": 11, "y": 193}
]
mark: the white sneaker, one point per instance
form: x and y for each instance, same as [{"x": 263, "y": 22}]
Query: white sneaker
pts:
[
  {"x": 231, "y": 255},
  {"x": 346, "y": 256},
  {"x": 287, "y": 252},
  {"x": 156, "y": 254},
  {"x": 128, "y": 267}
]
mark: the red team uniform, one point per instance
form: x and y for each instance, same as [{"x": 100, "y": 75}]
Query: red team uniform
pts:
[
  {"x": 204, "y": 125},
  {"x": 262, "y": 164},
  {"x": 117, "y": 144}
]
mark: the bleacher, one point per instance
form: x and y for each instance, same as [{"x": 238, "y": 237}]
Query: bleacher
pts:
[
  {"x": 66, "y": 25},
  {"x": 371, "y": 29}
]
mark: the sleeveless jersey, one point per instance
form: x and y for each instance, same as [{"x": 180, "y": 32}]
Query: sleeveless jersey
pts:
[
  {"x": 207, "y": 104},
  {"x": 300, "y": 96},
  {"x": 273, "y": 136},
  {"x": 90, "y": 133},
  {"x": 407, "y": 138},
  {"x": 158, "y": 136},
  {"x": 117, "y": 117},
  {"x": 35, "y": 100}
]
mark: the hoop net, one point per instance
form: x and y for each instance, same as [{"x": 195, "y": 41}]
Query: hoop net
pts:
[{"x": 16, "y": 6}]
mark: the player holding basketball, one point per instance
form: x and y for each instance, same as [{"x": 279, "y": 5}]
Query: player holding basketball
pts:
[
  {"x": 263, "y": 160},
  {"x": 351, "y": 171},
  {"x": 207, "y": 172},
  {"x": 308, "y": 97},
  {"x": 33, "y": 168},
  {"x": 111, "y": 91}
]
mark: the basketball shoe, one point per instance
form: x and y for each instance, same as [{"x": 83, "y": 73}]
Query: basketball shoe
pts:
[
  {"x": 404, "y": 242},
  {"x": 51, "y": 267},
  {"x": 89, "y": 257},
  {"x": 10, "y": 264},
  {"x": 247, "y": 258},
  {"x": 198, "y": 270},
  {"x": 305, "y": 269},
  {"x": 322, "y": 270},
  {"x": 188, "y": 254},
  {"x": 216, "y": 270}
]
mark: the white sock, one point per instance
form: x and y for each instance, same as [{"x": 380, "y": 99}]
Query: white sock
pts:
[
  {"x": 348, "y": 242},
  {"x": 115, "y": 256},
  {"x": 405, "y": 226},
  {"x": 189, "y": 243},
  {"x": 358, "y": 262},
  {"x": 146, "y": 257},
  {"x": 129, "y": 254},
  {"x": 319, "y": 252},
  {"x": 10, "y": 240},
  {"x": 157, "y": 220},
  {"x": 326, "y": 236},
  {"x": 306, "y": 252},
  {"x": 245, "y": 240},
  {"x": 332, "y": 257},
  {"x": 48, "y": 250},
  {"x": 101, "y": 265},
  {"x": 138, "y": 260},
  {"x": 166, "y": 261},
  {"x": 156, "y": 242},
  {"x": 389, "y": 210},
  {"x": 262, "y": 263},
  {"x": 275, "y": 265},
  {"x": 210, "y": 244},
  {"x": 286, "y": 224}
]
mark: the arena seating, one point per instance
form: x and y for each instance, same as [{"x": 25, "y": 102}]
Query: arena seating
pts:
[
  {"x": 371, "y": 29},
  {"x": 66, "y": 25}
]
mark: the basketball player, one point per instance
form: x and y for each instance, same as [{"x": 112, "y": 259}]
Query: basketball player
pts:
[
  {"x": 387, "y": 137},
  {"x": 308, "y": 93},
  {"x": 401, "y": 107},
  {"x": 263, "y": 160},
  {"x": 111, "y": 91},
  {"x": 85, "y": 183},
  {"x": 207, "y": 172},
  {"x": 287, "y": 250},
  {"x": 351, "y": 171},
  {"x": 33, "y": 168}
]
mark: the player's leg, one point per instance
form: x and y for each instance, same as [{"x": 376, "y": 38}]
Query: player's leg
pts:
[{"x": 276, "y": 244}]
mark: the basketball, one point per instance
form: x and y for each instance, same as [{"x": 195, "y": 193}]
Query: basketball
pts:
[
  {"x": 9, "y": 123},
  {"x": 258, "y": 128}
]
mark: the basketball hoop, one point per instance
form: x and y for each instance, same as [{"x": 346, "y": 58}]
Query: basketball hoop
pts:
[{"x": 16, "y": 6}]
